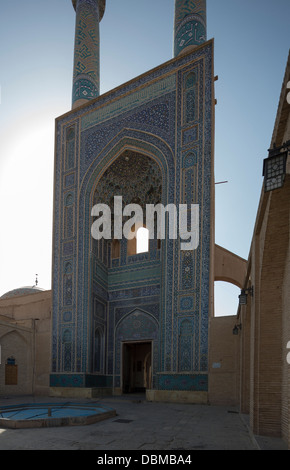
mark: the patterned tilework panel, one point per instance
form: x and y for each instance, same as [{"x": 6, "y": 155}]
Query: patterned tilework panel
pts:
[
  {"x": 163, "y": 117},
  {"x": 183, "y": 382},
  {"x": 67, "y": 380},
  {"x": 80, "y": 380}
]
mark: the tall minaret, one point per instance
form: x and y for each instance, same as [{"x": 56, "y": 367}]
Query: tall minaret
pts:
[
  {"x": 86, "y": 73},
  {"x": 189, "y": 25}
]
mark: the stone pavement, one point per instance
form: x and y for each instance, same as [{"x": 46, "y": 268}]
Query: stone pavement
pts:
[{"x": 141, "y": 425}]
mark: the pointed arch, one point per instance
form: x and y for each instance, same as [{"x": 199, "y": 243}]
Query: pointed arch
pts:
[
  {"x": 131, "y": 140},
  {"x": 15, "y": 331}
]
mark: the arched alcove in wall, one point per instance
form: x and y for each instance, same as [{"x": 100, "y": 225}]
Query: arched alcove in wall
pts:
[
  {"x": 136, "y": 338},
  {"x": 136, "y": 180},
  {"x": 17, "y": 361}
]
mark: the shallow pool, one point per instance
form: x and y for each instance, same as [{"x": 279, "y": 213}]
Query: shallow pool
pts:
[{"x": 52, "y": 414}]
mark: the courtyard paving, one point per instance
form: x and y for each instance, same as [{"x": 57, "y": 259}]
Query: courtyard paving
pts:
[{"x": 142, "y": 426}]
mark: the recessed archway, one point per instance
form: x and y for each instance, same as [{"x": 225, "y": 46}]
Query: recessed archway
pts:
[
  {"x": 136, "y": 366},
  {"x": 136, "y": 180}
]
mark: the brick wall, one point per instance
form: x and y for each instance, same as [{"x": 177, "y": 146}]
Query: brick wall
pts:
[
  {"x": 264, "y": 391},
  {"x": 223, "y": 362}
]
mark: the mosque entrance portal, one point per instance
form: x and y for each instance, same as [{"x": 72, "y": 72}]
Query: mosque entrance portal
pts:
[{"x": 137, "y": 367}]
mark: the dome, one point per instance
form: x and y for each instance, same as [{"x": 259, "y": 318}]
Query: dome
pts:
[{"x": 21, "y": 291}]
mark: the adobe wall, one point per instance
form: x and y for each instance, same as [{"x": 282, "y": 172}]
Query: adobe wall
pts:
[
  {"x": 223, "y": 362},
  {"x": 25, "y": 334}
]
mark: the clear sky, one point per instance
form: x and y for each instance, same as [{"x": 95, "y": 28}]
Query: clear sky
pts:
[{"x": 252, "y": 41}]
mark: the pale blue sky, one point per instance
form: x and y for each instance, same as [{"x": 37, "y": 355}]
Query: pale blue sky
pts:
[{"x": 252, "y": 41}]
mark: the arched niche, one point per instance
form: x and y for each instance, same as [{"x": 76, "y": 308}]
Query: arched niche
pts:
[
  {"x": 136, "y": 180},
  {"x": 136, "y": 327}
]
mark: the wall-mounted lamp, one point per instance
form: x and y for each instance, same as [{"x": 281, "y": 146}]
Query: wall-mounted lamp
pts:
[
  {"x": 236, "y": 329},
  {"x": 274, "y": 168},
  {"x": 244, "y": 294}
]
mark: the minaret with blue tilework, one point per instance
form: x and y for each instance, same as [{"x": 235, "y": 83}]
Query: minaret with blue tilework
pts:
[
  {"x": 189, "y": 25},
  {"x": 86, "y": 73}
]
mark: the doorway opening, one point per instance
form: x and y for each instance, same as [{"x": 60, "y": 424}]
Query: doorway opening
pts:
[{"x": 137, "y": 367}]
